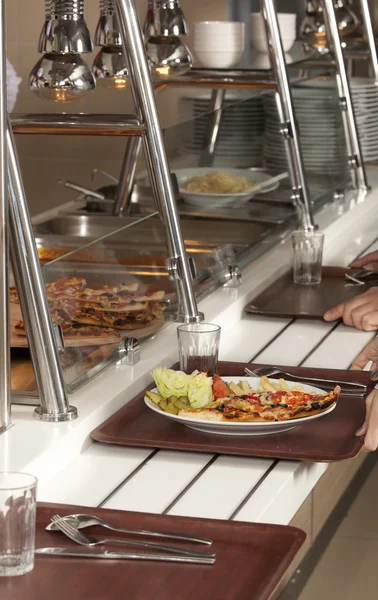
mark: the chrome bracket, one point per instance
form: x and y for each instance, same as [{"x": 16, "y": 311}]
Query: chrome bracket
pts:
[
  {"x": 343, "y": 103},
  {"x": 286, "y": 130},
  {"x": 192, "y": 268},
  {"x": 59, "y": 338},
  {"x": 233, "y": 277},
  {"x": 130, "y": 351},
  {"x": 353, "y": 161},
  {"x": 339, "y": 195},
  {"x": 174, "y": 270},
  {"x": 172, "y": 267}
]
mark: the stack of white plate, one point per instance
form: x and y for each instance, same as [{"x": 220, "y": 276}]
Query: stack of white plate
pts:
[
  {"x": 365, "y": 103},
  {"x": 240, "y": 137},
  {"x": 320, "y": 124}
]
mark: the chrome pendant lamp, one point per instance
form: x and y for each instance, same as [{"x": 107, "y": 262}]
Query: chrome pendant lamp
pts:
[{"x": 62, "y": 74}]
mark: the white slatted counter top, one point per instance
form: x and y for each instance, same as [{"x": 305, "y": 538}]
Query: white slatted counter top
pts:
[{"x": 72, "y": 469}]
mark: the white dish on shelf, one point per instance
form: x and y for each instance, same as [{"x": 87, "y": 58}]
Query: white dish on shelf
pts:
[
  {"x": 219, "y": 200},
  {"x": 224, "y": 428},
  {"x": 217, "y": 59}
]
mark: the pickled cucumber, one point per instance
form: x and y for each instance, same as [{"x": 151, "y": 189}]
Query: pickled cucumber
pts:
[{"x": 163, "y": 404}]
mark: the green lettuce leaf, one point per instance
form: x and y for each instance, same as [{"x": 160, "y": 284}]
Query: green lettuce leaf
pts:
[
  {"x": 171, "y": 383},
  {"x": 200, "y": 391}
]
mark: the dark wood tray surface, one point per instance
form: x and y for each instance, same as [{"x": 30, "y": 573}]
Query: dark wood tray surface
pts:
[
  {"x": 331, "y": 438},
  {"x": 251, "y": 559},
  {"x": 284, "y": 298}
]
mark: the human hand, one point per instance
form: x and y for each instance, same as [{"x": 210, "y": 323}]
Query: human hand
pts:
[
  {"x": 369, "y": 261},
  {"x": 360, "y": 312},
  {"x": 367, "y": 355},
  {"x": 370, "y": 427}
]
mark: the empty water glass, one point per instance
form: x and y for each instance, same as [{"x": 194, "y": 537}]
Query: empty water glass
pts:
[
  {"x": 198, "y": 347},
  {"x": 17, "y": 523},
  {"x": 307, "y": 259}
]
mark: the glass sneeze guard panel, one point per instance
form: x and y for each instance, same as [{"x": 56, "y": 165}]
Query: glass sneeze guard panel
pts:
[{"x": 109, "y": 289}]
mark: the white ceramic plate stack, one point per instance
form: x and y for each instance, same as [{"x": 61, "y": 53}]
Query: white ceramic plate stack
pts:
[
  {"x": 365, "y": 103},
  {"x": 240, "y": 137},
  {"x": 218, "y": 44},
  {"x": 287, "y": 23},
  {"x": 322, "y": 135}
]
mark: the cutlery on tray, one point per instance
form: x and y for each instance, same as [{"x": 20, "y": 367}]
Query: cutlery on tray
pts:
[
  {"x": 360, "y": 278},
  {"x": 81, "y": 521},
  {"x": 113, "y": 555},
  {"x": 84, "y": 539},
  {"x": 347, "y": 387}
]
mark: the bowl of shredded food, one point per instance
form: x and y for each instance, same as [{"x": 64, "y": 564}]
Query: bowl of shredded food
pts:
[{"x": 215, "y": 187}]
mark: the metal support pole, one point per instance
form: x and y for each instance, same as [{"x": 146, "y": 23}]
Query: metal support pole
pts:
[
  {"x": 353, "y": 143},
  {"x": 48, "y": 374},
  {"x": 5, "y": 386},
  {"x": 157, "y": 163},
  {"x": 370, "y": 37},
  {"x": 212, "y": 129},
  {"x": 126, "y": 180},
  {"x": 289, "y": 128}
]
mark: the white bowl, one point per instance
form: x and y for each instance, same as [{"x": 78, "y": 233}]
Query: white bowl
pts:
[
  {"x": 213, "y": 200},
  {"x": 219, "y": 26},
  {"x": 219, "y": 40},
  {"x": 287, "y": 25},
  {"x": 286, "y": 19},
  {"x": 219, "y": 60},
  {"x": 261, "y": 44},
  {"x": 260, "y": 32},
  {"x": 229, "y": 47}
]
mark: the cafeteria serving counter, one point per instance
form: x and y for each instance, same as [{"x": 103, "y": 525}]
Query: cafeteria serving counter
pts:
[{"x": 72, "y": 469}]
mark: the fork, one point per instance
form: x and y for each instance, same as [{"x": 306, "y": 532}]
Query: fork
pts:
[
  {"x": 88, "y": 540},
  {"x": 358, "y": 388},
  {"x": 80, "y": 521}
]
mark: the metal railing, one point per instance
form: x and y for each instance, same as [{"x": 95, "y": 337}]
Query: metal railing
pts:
[{"x": 29, "y": 281}]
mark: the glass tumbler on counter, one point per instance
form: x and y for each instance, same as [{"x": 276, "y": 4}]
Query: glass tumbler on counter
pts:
[
  {"x": 198, "y": 347},
  {"x": 307, "y": 257},
  {"x": 17, "y": 523}
]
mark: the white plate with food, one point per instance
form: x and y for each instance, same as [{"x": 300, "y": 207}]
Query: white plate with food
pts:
[
  {"x": 214, "y": 187},
  {"x": 253, "y": 406}
]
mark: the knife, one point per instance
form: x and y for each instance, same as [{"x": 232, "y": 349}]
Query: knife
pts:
[{"x": 110, "y": 554}]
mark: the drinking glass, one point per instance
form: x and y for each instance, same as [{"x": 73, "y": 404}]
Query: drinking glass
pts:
[
  {"x": 307, "y": 260},
  {"x": 198, "y": 347},
  {"x": 17, "y": 523}
]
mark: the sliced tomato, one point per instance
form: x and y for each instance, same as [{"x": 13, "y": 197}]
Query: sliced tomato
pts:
[{"x": 220, "y": 389}]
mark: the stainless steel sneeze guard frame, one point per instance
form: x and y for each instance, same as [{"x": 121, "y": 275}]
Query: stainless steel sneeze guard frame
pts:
[
  {"x": 289, "y": 129},
  {"x": 43, "y": 348},
  {"x": 157, "y": 163},
  {"x": 42, "y": 343},
  {"x": 76, "y": 124},
  {"x": 351, "y": 133}
]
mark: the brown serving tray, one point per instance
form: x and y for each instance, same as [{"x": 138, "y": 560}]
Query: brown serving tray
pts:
[
  {"x": 331, "y": 438},
  {"x": 284, "y": 298},
  {"x": 251, "y": 560}
]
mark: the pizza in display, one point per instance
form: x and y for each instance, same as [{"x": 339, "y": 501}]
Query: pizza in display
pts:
[
  {"x": 72, "y": 331},
  {"x": 118, "y": 320},
  {"x": 65, "y": 288},
  {"x": 50, "y": 254},
  {"x": 103, "y": 310},
  {"x": 13, "y": 296},
  {"x": 212, "y": 399}
]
